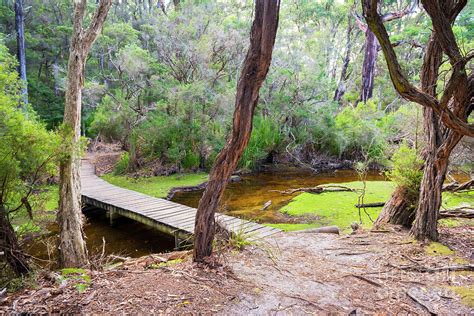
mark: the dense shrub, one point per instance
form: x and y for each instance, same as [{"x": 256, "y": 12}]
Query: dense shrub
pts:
[
  {"x": 264, "y": 140},
  {"x": 122, "y": 165},
  {"x": 406, "y": 168},
  {"x": 359, "y": 132}
]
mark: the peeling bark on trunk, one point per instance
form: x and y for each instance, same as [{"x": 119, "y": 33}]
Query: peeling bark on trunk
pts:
[
  {"x": 399, "y": 210},
  {"x": 72, "y": 247},
  {"x": 20, "y": 39},
  {"x": 255, "y": 68},
  {"x": 452, "y": 109},
  {"x": 10, "y": 247}
]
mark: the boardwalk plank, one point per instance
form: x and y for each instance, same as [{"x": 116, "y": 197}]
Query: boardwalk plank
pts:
[{"x": 178, "y": 217}]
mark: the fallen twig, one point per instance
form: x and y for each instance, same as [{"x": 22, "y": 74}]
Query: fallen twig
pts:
[
  {"x": 365, "y": 279},
  {"x": 411, "y": 294},
  {"x": 418, "y": 268}
]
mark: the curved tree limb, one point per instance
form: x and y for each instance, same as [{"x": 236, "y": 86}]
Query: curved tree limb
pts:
[{"x": 404, "y": 87}]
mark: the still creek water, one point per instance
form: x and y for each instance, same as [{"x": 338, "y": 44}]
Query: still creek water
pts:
[{"x": 243, "y": 199}]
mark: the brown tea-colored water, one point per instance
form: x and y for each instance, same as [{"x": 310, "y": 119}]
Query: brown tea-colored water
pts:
[
  {"x": 243, "y": 199},
  {"x": 126, "y": 238}
]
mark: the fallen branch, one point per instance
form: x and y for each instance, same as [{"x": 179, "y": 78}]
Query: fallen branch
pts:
[
  {"x": 456, "y": 187},
  {"x": 317, "y": 190},
  {"x": 414, "y": 295},
  {"x": 193, "y": 188},
  {"x": 418, "y": 268},
  {"x": 366, "y": 280},
  {"x": 376, "y": 204},
  {"x": 322, "y": 230},
  {"x": 461, "y": 212}
]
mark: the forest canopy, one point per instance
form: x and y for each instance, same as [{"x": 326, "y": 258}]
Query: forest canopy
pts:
[{"x": 161, "y": 81}]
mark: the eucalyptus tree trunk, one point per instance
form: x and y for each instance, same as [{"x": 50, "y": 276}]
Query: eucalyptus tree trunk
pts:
[
  {"x": 72, "y": 247},
  {"x": 403, "y": 208},
  {"x": 10, "y": 247},
  {"x": 255, "y": 69},
  {"x": 20, "y": 40},
  {"x": 341, "y": 87},
  {"x": 368, "y": 67},
  {"x": 452, "y": 109}
]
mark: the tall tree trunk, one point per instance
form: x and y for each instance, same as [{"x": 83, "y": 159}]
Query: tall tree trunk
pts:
[
  {"x": 56, "y": 76},
  {"x": 400, "y": 209},
  {"x": 20, "y": 40},
  {"x": 368, "y": 67},
  {"x": 255, "y": 68},
  {"x": 72, "y": 247},
  {"x": 435, "y": 169},
  {"x": 177, "y": 4},
  {"x": 341, "y": 87},
  {"x": 438, "y": 147},
  {"x": 10, "y": 247}
]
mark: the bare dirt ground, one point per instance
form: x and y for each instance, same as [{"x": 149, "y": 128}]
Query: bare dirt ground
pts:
[
  {"x": 293, "y": 273},
  {"x": 104, "y": 156}
]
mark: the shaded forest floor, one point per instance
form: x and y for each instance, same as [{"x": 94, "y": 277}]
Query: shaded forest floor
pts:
[{"x": 291, "y": 273}]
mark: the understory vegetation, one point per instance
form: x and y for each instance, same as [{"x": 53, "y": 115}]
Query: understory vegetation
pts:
[
  {"x": 163, "y": 84},
  {"x": 161, "y": 94}
]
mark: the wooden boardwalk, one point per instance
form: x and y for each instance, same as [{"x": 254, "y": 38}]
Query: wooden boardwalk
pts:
[{"x": 168, "y": 217}]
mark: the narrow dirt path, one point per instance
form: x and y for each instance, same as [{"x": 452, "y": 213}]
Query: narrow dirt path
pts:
[{"x": 305, "y": 273}]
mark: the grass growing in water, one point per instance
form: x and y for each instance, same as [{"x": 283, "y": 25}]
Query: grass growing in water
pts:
[
  {"x": 337, "y": 208},
  {"x": 156, "y": 186}
]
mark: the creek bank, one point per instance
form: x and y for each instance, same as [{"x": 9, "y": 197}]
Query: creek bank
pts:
[{"x": 292, "y": 273}]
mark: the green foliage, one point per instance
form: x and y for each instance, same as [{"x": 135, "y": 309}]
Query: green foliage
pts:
[
  {"x": 165, "y": 264},
  {"x": 264, "y": 140},
  {"x": 122, "y": 165},
  {"x": 406, "y": 168},
  {"x": 78, "y": 277},
  {"x": 28, "y": 151},
  {"x": 361, "y": 131},
  {"x": 239, "y": 240}
]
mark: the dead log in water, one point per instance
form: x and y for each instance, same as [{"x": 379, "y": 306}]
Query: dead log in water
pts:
[
  {"x": 460, "y": 212},
  {"x": 457, "y": 187},
  {"x": 317, "y": 189},
  {"x": 376, "y": 204},
  {"x": 190, "y": 188}
]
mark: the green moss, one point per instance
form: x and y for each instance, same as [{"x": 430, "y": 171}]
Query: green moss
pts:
[
  {"x": 452, "y": 200},
  {"x": 338, "y": 208},
  {"x": 466, "y": 293},
  {"x": 438, "y": 249},
  {"x": 165, "y": 264},
  {"x": 456, "y": 222},
  {"x": 156, "y": 186},
  {"x": 78, "y": 277},
  {"x": 293, "y": 227}
]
